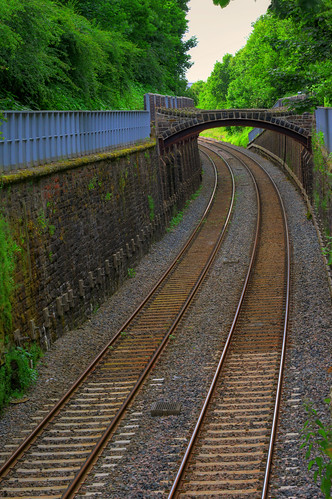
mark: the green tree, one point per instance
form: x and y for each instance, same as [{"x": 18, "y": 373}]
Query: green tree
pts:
[
  {"x": 156, "y": 28},
  {"x": 196, "y": 90},
  {"x": 221, "y": 3},
  {"x": 90, "y": 54},
  {"x": 288, "y": 51}
]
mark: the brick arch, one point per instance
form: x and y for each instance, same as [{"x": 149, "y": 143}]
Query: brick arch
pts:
[{"x": 191, "y": 125}]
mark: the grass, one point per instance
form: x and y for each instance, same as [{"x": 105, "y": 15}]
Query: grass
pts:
[
  {"x": 131, "y": 273},
  {"x": 237, "y": 136},
  {"x": 151, "y": 207},
  {"x": 179, "y": 215}
]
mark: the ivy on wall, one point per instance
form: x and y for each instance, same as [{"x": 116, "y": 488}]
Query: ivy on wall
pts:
[
  {"x": 8, "y": 252},
  {"x": 322, "y": 189}
]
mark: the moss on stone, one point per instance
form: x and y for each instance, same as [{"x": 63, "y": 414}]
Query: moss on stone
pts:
[{"x": 69, "y": 164}]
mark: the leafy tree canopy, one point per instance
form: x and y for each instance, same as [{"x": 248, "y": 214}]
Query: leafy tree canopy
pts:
[
  {"x": 222, "y": 3},
  {"x": 288, "y": 51},
  {"x": 90, "y": 53}
]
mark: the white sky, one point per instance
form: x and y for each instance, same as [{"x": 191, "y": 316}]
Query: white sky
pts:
[{"x": 219, "y": 31}]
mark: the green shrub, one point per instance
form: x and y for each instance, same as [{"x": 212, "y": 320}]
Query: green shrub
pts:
[
  {"x": 131, "y": 273},
  {"x": 179, "y": 215},
  {"x": 318, "y": 439},
  {"x": 151, "y": 207},
  {"x": 8, "y": 253},
  {"x": 175, "y": 221},
  {"x": 18, "y": 372}
]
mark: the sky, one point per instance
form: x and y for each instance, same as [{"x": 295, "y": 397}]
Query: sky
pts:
[{"x": 219, "y": 31}]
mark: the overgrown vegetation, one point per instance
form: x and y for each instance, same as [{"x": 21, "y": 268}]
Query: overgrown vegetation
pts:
[
  {"x": 1, "y": 121},
  {"x": 18, "y": 372},
  {"x": 234, "y": 135},
  {"x": 131, "y": 273},
  {"x": 8, "y": 253},
  {"x": 151, "y": 207},
  {"x": 327, "y": 250},
  {"x": 100, "y": 54},
  {"x": 174, "y": 222},
  {"x": 177, "y": 218},
  {"x": 322, "y": 190},
  {"x": 317, "y": 438}
]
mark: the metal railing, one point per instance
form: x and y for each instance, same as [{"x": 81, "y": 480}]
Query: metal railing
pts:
[
  {"x": 324, "y": 124},
  {"x": 31, "y": 138},
  {"x": 253, "y": 133},
  {"x": 154, "y": 101}
]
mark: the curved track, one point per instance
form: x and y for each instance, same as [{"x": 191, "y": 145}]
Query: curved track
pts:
[
  {"x": 55, "y": 457},
  {"x": 230, "y": 451}
]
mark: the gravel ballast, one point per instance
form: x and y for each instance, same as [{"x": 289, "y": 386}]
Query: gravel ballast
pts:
[
  {"x": 183, "y": 375},
  {"x": 73, "y": 352}
]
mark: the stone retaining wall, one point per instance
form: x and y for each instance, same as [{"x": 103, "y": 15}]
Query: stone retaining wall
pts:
[
  {"x": 81, "y": 226},
  {"x": 312, "y": 174}
]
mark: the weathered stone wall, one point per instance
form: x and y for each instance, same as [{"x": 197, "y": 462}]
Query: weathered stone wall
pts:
[
  {"x": 291, "y": 152},
  {"x": 305, "y": 120},
  {"x": 81, "y": 224}
]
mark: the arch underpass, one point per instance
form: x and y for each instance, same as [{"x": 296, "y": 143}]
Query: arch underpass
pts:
[{"x": 174, "y": 126}]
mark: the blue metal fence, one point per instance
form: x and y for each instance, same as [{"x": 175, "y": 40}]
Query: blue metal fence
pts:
[
  {"x": 154, "y": 101},
  {"x": 31, "y": 138},
  {"x": 253, "y": 133},
  {"x": 324, "y": 124}
]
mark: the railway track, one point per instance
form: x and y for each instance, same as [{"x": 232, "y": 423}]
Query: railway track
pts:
[
  {"x": 230, "y": 451},
  {"x": 58, "y": 454}
]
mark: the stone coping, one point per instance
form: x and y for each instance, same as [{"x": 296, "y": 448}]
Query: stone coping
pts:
[{"x": 71, "y": 163}]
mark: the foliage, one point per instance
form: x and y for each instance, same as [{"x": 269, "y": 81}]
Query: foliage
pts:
[
  {"x": 156, "y": 28},
  {"x": 215, "y": 133},
  {"x": 174, "y": 222},
  {"x": 8, "y": 253},
  {"x": 1, "y": 121},
  {"x": 237, "y": 136},
  {"x": 317, "y": 149},
  {"x": 322, "y": 190},
  {"x": 288, "y": 51},
  {"x": 131, "y": 273},
  {"x": 327, "y": 250},
  {"x": 318, "y": 440},
  {"x": 221, "y": 3},
  {"x": 151, "y": 207},
  {"x": 18, "y": 372},
  {"x": 90, "y": 54},
  {"x": 194, "y": 196}
]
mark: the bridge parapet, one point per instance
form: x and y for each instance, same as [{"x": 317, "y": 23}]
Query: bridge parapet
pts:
[{"x": 173, "y": 125}]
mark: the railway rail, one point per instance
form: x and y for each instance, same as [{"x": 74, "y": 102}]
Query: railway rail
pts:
[
  {"x": 230, "y": 451},
  {"x": 54, "y": 459}
]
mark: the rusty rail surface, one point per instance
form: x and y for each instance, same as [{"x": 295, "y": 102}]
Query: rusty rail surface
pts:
[
  {"x": 230, "y": 451},
  {"x": 56, "y": 456}
]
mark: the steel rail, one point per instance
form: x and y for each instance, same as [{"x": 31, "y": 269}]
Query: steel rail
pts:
[
  {"x": 89, "y": 463},
  {"x": 191, "y": 443},
  {"x": 285, "y": 328},
  {"x": 284, "y": 340},
  {"x": 59, "y": 405},
  {"x": 185, "y": 460}
]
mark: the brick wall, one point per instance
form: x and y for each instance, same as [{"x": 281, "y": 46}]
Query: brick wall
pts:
[
  {"x": 305, "y": 120},
  {"x": 81, "y": 224}
]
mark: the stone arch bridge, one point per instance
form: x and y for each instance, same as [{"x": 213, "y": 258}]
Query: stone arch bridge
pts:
[{"x": 175, "y": 126}]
